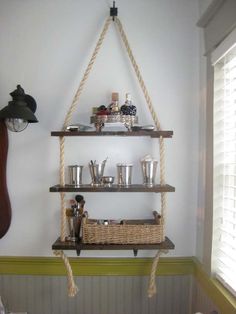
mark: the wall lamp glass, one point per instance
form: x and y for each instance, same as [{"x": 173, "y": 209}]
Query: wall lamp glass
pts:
[{"x": 20, "y": 111}]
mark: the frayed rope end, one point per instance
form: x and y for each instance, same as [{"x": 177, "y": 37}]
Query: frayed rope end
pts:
[
  {"x": 72, "y": 288},
  {"x": 72, "y": 291},
  {"x": 152, "y": 290}
]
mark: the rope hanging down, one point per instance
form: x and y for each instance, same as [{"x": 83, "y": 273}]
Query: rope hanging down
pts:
[
  {"x": 72, "y": 288},
  {"x": 152, "y": 288}
]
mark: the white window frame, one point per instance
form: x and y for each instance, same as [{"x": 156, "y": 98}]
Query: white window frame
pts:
[{"x": 217, "y": 55}]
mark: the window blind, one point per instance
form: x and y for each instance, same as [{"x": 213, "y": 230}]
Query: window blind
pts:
[{"x": 224, "y": 190}]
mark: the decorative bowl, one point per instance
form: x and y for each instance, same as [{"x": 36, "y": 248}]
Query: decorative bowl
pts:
[{"x": 107, "y": 180}]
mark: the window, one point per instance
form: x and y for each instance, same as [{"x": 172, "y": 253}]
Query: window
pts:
[{"x": 224, "y": 195}]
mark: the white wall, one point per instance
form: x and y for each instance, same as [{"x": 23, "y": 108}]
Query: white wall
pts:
[
  {"x": 45, "y": 47},
  {"x": 203, "y": 5}
]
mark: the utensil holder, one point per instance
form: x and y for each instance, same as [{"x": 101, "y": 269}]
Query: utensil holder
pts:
[{"x": 96, "y": 172}]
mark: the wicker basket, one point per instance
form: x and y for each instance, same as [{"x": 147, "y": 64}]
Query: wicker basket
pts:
[{"x": 130, "y": 232}]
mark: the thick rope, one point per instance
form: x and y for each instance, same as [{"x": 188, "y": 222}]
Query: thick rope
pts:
[
  {"x": 72, "y": 288},
  {"x": 67, "y": 121},
  {"x": 152, "y": 289},
  {"x": 152, "y": 286},
  {"x": 149, "y": 103},
  {"x": 86, "y": 73},
  {"x": 62, "y": 194},
  {"x": 162, "y": 181},
  {"x": 63, "y": 217},
  {"x": 138, "y": 74}
]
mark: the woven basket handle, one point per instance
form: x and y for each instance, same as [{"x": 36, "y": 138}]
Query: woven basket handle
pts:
[{"x": 157, "y": 217}]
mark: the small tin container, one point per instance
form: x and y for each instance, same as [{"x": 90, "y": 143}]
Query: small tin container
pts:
[{"x": 75, "y": 175}]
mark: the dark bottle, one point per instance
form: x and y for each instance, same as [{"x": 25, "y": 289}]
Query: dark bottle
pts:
[{"x": 128, "y": 108}]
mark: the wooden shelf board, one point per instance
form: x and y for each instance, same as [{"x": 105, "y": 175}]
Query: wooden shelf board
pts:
[
  {"x": 114, "y": 188},
  {"x": 67, "y": 245},
  {"x": 153, "y": 134}
]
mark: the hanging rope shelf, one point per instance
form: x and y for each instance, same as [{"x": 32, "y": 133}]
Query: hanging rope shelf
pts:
[{"x": 72, "y": 288}]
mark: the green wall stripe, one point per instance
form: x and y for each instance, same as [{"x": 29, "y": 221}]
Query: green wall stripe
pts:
[{"x": 94, "y": 266}]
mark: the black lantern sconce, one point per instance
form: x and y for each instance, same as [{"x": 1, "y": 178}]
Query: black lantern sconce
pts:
[
  {"x": 20, "y": 111},
  {"x": 16, "y": 116}
]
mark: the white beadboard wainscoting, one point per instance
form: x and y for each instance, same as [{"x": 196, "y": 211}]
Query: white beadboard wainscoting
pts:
[
  {"x": 201, "y": 302},
  {"x": 103, "y": 295}
]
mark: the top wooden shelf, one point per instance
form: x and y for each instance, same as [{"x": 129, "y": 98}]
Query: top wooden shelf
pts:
[
  {"x": 152, "y": 134},
  {"x": 114, "y": 188}
]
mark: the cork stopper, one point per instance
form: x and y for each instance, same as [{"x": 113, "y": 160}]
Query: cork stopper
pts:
[
  {"x": 128, "y": 96},
  {"x": 115, "y": 97}
]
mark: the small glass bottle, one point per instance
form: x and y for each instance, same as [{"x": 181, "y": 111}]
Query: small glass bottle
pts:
[
  {"x": 128, "y": 108},
  {"x": 114, "y": 106}
]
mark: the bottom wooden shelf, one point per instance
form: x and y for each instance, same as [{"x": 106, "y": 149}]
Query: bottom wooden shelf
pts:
[{"x": 78, "y": 246}]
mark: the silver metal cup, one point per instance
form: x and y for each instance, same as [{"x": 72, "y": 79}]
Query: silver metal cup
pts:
[
  {"x": 96, "y": 172},
  {"x": 124, "y": 174},
  {"x": 149, "y": 168},
  {"x": 75, "y": 175}
]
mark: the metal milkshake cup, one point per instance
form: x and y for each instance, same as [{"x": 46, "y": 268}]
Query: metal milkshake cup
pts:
[
  {"x": 75, "y": 175},
  {"x": 149, "y": 168},
  {"x": 124, "y": 174}
]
